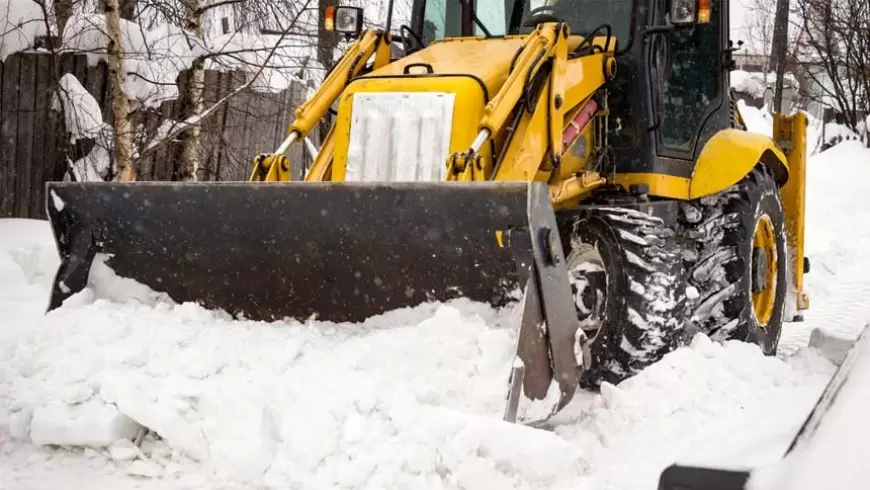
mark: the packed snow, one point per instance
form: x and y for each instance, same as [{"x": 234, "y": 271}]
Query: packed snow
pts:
[{"x": 122, "y": 388}]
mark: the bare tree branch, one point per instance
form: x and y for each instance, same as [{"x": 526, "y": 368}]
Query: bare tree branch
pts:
[{"x": 198, "y": 118}]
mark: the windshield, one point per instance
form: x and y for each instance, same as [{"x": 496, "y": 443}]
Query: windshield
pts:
[{"x": 443, "y": 18}]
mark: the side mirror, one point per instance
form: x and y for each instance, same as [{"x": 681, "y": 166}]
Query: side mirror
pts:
[
  {"x": 344, "y": 20},
  {"x": 689, "y": 12}
]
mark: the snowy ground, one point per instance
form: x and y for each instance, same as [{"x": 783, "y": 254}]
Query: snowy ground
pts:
[{"x": 409, "y": 400}]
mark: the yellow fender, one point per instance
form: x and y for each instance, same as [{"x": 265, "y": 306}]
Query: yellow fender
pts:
[{"x": 731, "y": 154}]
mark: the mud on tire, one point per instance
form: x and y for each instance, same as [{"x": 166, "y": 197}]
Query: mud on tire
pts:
[
  {"x": 628, "y": 287},
  {"x": 722, "y": 258}
]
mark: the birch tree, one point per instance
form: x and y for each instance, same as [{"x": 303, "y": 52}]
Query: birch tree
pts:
[{"x": 123, "y": 141}]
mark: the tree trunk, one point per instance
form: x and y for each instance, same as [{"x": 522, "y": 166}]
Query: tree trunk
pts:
[
  {"x": 123, "y": 144},
  {"x": 192, "y": 99}
]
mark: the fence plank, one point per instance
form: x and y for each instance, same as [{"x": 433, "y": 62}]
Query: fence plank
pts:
[
  {"x": 24, "y": 144},
  {"x": 34, "y": 141},
  {"x": 8, "y": 135}
]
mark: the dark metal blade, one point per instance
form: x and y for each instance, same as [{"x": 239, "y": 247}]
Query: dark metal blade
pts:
[{"x": 341, "y": 251}]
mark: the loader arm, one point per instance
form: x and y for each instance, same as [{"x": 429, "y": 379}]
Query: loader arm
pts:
[
  {"x": 275, "y": 167},
  {"x": 537, "y": 49},
  {"x": 565, "y": 98}
]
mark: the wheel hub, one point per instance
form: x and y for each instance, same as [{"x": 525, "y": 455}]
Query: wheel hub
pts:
[
  {"x": 764, "y": 267},
  {"x": 588, "y": 279}
]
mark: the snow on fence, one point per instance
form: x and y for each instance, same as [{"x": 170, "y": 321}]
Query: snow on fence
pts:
[{"x": 35, "y": 145}]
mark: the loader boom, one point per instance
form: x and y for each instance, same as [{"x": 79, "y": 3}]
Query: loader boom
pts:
[{"x": 275, "y": 167}]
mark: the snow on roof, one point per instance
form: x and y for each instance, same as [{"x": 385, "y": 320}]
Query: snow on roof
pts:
[
  {"x": 294, "y": 60},
  {"x": 756, "y": 83}
]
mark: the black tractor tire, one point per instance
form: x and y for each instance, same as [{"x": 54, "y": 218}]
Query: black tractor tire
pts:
[
  {"x": 634, "y": 311},
  {"x": 725, "y": 264}
]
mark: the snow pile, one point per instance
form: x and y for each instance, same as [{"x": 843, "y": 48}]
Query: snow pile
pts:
[
  {"x": 756, "y": 120},
  {"x": 82, "y": 114},
  {"x": 410, "y": 398},
  {"x": 21, "y": 22},
  {"x": 694, "y": 407},
  {"x": 84, "y": 120},
  {"x": 27, "y": 264},
  {"x": 414, "y": 397}
]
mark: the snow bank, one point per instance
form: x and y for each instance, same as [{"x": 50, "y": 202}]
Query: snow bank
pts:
[
  {"x": 830, "y": 453},
  {"x": 413, "y": 397},
  {"x": 27, "y": 264},
  {"x": 692, "y": 407},
  {"x": 749, "y": 83},
  {"x": 21, "y": 22}
]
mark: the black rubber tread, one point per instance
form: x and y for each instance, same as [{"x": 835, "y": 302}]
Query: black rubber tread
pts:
[
  {"x": 721, "y": 228},
  {"x": 645, "y": 310}
]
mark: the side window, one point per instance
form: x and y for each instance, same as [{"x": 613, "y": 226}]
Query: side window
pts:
[
  {"x": 441, "y": 18},
  {"x": 492, "y": 13},
  {"x": 692, "y": 81}
]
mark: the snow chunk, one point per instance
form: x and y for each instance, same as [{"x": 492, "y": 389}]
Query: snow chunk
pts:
[
  {"x": 123, "y": 450},
  {"x": 93, "y": 423},
  {"x": 833, "y": 439},
  {"x": 145, "y": 469}
]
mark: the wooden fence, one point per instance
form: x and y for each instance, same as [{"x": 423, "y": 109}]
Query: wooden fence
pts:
[{"x": 35, "y": 145}]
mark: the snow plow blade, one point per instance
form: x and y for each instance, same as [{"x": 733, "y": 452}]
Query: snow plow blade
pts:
[{"x": 338, "y": 251}]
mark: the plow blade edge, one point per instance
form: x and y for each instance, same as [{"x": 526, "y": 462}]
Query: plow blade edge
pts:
[{"x": 339, "y": 251}]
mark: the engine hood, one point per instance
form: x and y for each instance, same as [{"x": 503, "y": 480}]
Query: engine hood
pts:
[{"x": 487, "y": 60}]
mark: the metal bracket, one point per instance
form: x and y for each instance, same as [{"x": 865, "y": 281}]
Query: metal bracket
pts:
[
  {"x": 76, "y": 245},
  {"x": 547, "y": 369}
]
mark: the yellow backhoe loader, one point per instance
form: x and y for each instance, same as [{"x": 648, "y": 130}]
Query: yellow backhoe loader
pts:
[{"x": 583, "y": 158}]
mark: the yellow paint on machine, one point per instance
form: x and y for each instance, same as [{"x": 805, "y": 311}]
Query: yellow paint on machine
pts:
[
  {"x": 729, "y": 156},
  {"x": 467, "y": 111},
  {"x": 793, "y": 129}
]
